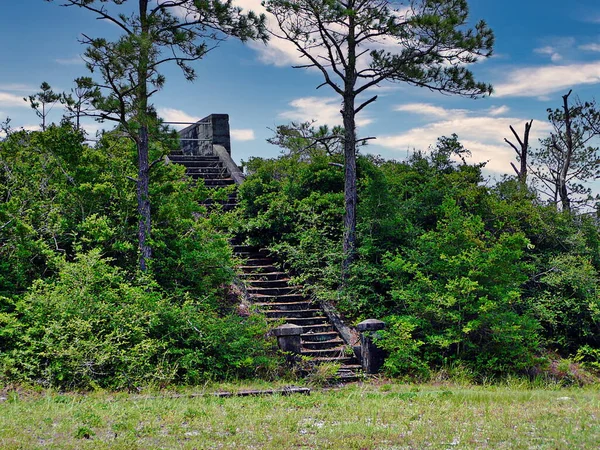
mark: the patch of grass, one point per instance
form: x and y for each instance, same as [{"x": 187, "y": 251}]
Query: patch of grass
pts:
[{"x": 362, "y": 416}]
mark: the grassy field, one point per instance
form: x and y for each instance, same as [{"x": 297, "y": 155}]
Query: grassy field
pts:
[{"x": 363, "y": 416}]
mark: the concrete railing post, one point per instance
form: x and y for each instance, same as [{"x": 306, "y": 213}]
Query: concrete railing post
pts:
[
  {"x": 288, "y": 338},
  {"x": 372, "y": 357}
]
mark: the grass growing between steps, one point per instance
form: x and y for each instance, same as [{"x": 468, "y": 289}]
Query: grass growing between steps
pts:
[{"x": 355, "y": 417}]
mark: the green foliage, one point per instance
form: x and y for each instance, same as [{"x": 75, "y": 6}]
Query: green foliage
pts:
[
  {"x": 93, "y": 327},
  {"x": 74, "y": 311},
  {"x": 485, "y": 279},
  {"x": 459, "y": 284}
]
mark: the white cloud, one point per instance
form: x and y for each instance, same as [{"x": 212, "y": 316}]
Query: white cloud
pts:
[
  {"x": 427, "y": 109},
  {"x": 242, "y": 134},
  {"x": 479, "y": 132},
  {"x": 17, "y": 87},
  {"x": 324, "y": 110},
  {"x": 498, "y": 110},
  {"x": 12, "y": 100},
  {"x": 177, "y": 115},
  {"x": 555, "y": 56},
  {"x": 590, "y": 47},
  {"x": 539, "y": 81},
  {"x": 74, "y": 61}
]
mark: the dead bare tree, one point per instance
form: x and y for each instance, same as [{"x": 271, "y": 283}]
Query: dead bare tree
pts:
[{"x": 521, "y": 151}]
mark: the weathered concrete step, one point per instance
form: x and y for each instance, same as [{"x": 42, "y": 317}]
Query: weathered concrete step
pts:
[
  {"x": 182, "y": 157},
  {"x": 219, "y": 182},
  {"x": 273, "y": 291},
  {"x": 284, "y": 306},
  {"x": 251, "y": 254},
  {"x": 329, "y": 359},
  {"x": 316, "y": 345},
  {"x": 334, "y": 352},
  {"x": 208, "y": 176},
  {"x": 199, "y": 163},
  {"x": 257, "y": 270},
  {"x": 243, "y": 248},
  {"x": 319, "y": 328},
  {"x": 279, "y": 298},
  {"x": 302, "y": 321},
  {"x": 289, "y": 314},
  {"x": 259, "y": 261},
  {"x": 318, "y": 337},
  {"x": 263, "y": 276},
  {"x": 205, "y": 170},
  {"x": 278, "y": 283}
]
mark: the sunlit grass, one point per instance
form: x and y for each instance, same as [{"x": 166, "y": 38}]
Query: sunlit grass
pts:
[{"x": 364, "y": 416}]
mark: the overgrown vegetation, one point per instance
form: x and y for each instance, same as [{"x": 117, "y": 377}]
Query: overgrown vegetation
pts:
[
  {"x": 75, "y": 311},
  {"x": 488, "y": 278}
]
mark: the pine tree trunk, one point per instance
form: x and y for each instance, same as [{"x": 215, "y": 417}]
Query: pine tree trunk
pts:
[
  {"x": 350, "y": 193},
  {"x": 143, "y": 183},
  {"x": 143, "y": 198}
]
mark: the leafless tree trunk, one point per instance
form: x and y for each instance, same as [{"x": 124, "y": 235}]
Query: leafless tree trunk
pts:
[{"x": 521, "y": 151}]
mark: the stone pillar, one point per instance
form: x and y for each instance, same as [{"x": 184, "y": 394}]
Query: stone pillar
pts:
[
  {"x": 372, "y": 357},
  {"x": 288, "y": 338}
]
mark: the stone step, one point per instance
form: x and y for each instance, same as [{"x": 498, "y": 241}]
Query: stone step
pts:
[
  {"x": 316, "y": 345},
  {"x": 275, "y": 291},
  {"x": 279, "y": 298},
  {"x": 182, "y": 157},
  {"x": 207, "y": 176},
  {"x": 302, "y": 321},
  {"x": 259, "y": 262},
  {"x": 220, "y": 182},
  {"x": 257, "y": 270},
  {"x": 243, "y": 248},
  {"x": 278, "y": 283},
  {"x": 200, "y": 163},
  {"x": 263, "y": 276},
  {"x": 207, "y": 170},
  {"x": 284, "y": 306},
  {"x": 330, "y": 359},
  {"x": 318, "y": 328},
  {"x": 291, "y": 314},
  {"x": 334, "y": 352},
  {"x": 318, "y": 337}
]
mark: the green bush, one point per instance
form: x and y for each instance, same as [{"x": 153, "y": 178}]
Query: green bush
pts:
[{"x": 94, "y": 327}]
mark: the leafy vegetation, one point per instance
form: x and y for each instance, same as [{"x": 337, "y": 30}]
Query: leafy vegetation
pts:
[
  {"x": 483, "y": 277},
  {"x": 75, "y": 311}
]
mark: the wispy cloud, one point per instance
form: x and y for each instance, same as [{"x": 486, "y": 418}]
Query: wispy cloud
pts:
[
  {"x": 544, "y": 80},
  {"x": 555, "y": 56},
  {"x": 482, "y": 132},
  {"x": 74, "y": 61},
  {"x": 11, "y": 100},
  {"x": 242, "y": 134},
  {"x": 17, "y": 87},
  {"x": 177, "y": 115},
  {"x": 590, "y": 47},
  {"x": 324, "y": 110}
]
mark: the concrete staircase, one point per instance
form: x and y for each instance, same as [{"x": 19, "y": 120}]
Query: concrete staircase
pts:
[
  {"x": 269, "y": 287},
  {"x": 212, "y": 171}
]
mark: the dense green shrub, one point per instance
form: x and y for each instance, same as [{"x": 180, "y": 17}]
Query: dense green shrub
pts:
[
  {"x": 94, "y": 327},
  {"x": 486, "y": 278}
]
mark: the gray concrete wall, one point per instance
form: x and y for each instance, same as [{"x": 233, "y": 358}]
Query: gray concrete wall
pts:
[{"x": 198, "y": 139}]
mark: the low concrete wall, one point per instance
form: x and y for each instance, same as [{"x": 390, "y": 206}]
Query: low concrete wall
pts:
[{"x": 230, "y": 165}]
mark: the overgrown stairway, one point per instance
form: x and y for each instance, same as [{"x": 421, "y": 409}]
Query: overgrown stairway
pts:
[
  {"x": 269, "y": 287},
  {"x": 212, "y": 171}
]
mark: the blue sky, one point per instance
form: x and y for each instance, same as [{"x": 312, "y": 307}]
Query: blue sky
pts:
[{"x": 543, "y": 49}]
